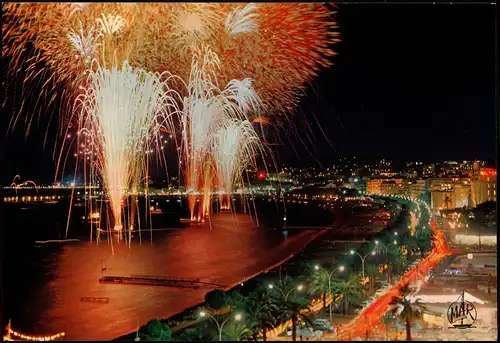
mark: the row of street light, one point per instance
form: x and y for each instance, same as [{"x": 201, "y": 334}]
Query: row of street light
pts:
[
  {"x": 285, "y": 295},
  {"x": 341, "y": 269},
  {"x": 238, "y": 316}
]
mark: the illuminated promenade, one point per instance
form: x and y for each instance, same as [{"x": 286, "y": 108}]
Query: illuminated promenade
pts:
[
  {"x": 368, "y": 322},
  {"x": 370, "y": 318}
]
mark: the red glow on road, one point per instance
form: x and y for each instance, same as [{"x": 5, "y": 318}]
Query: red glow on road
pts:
[
  {"x": 368, "y": 319},
  {"x": 261, "y": 175}
]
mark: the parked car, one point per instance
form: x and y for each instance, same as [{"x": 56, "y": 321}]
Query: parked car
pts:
[
  {"x": 305, "y": 332},
  {"x": 323, "y": 325}
]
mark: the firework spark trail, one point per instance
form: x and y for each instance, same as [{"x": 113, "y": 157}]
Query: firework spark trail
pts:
[
  {"x": 207, "y": 108},
  {"x": 241, "y": 20},
  {"x": 280, "y": 46},
  {"x": 234, "y": 148},
  {"x": 123, "y": 110}
]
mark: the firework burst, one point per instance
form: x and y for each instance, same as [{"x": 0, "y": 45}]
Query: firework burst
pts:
[
  {"x": 205, "y": 110},
  {"x": 269, "y": 49},
  {"x": 241, "y": 20},
  {"x": 85, "y": 44},
  {"x": 280, "y": 46},
  {"x": 235, "y": 147},
  {"x": 121, "y": 112}
]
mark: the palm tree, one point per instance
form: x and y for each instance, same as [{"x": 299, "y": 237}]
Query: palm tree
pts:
[
  {"x": 196, "y": 334},
  {"x": 399, "y": 264},
  {"x": 236, "y": 301},
  {"x": 156, "y": 330},
  {"x": 371, "y": 271},
  {"x": 351, "y": 291},
  {"x": 320, "y": 285},
  {"x": 406, "y": 310},
  {"x": 293, "y": 309},
  {"x": 424, "y": 240},
  {"x": 411, "y": 244},
  {"x": 235, "y": 331},
  {"x": 261, "y": 311}
]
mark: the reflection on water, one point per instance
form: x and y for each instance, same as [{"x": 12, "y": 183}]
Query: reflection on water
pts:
[{"x": 56, "y": 276}]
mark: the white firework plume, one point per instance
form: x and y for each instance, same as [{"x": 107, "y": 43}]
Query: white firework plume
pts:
[
  {"x": 243, "y": 93},
  {"x": 85, "y": 44},
  {"x": 242, "y": 20},
  {"x": 235, "y": 147},
  {"x": 77, "y": 7},
  {"x": 123, "y": 109},
  {"x": 110, "y": 24},
  {"x": 205, "y": 109}
]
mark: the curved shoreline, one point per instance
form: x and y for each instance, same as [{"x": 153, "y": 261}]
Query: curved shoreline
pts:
[
  {"x": 277, "y": 264},
  {"x": 320, "y": 233}
]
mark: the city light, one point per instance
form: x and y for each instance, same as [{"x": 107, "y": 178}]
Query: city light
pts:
[{"x": 175, "y": 121}]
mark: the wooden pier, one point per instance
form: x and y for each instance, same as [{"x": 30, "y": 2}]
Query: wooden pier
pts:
[
  {"x": 150, "y": 281},
  {"x": 171, "y": 278}
]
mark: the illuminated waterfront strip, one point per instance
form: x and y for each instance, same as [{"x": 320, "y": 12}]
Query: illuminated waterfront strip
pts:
[{"x": 36, "y": 338}]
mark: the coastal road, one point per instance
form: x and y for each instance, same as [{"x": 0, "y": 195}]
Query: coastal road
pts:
[{"x": 370, "y": 317}]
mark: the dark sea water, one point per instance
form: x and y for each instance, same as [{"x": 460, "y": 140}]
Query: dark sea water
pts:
[{"x": 44, "y": 283}]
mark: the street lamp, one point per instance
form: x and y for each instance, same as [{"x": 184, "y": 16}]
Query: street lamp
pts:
[
  {"x": 285, "y": 295},
  {"x": 363, "y": 259},
  {"x": 341, "y": 269},
  {"x": 237, "y": 317},
  {"x": 386, "y": 247}
]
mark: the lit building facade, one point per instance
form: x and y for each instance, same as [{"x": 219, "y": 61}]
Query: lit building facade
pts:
[
  {"x": 415, "y": 188},
  {"x": 455, "y": 197},
  {"x": 392, "y": 187},
  {"x": 384, "y": 186},
  {"x": 483, "y": 186}
]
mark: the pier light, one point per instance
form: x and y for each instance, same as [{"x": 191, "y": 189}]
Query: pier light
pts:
[
  {"x": 316, "y": 267},
  {"x": 376, "y": 242},
  {"x": 237, "y": 317},
  {"x": 300, "y": 287},
  {"x": 270, "y": 286},
  {"x": 395, "y": 233},
  {"x": 341, "y": 268},
  {"x": 395, "y": 242},
  {"x": 202, "y": 314},
  {"x": 351, "y": 252}
]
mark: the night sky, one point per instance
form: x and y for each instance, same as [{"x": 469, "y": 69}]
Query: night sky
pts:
[{"x": 410, "y": 82}]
